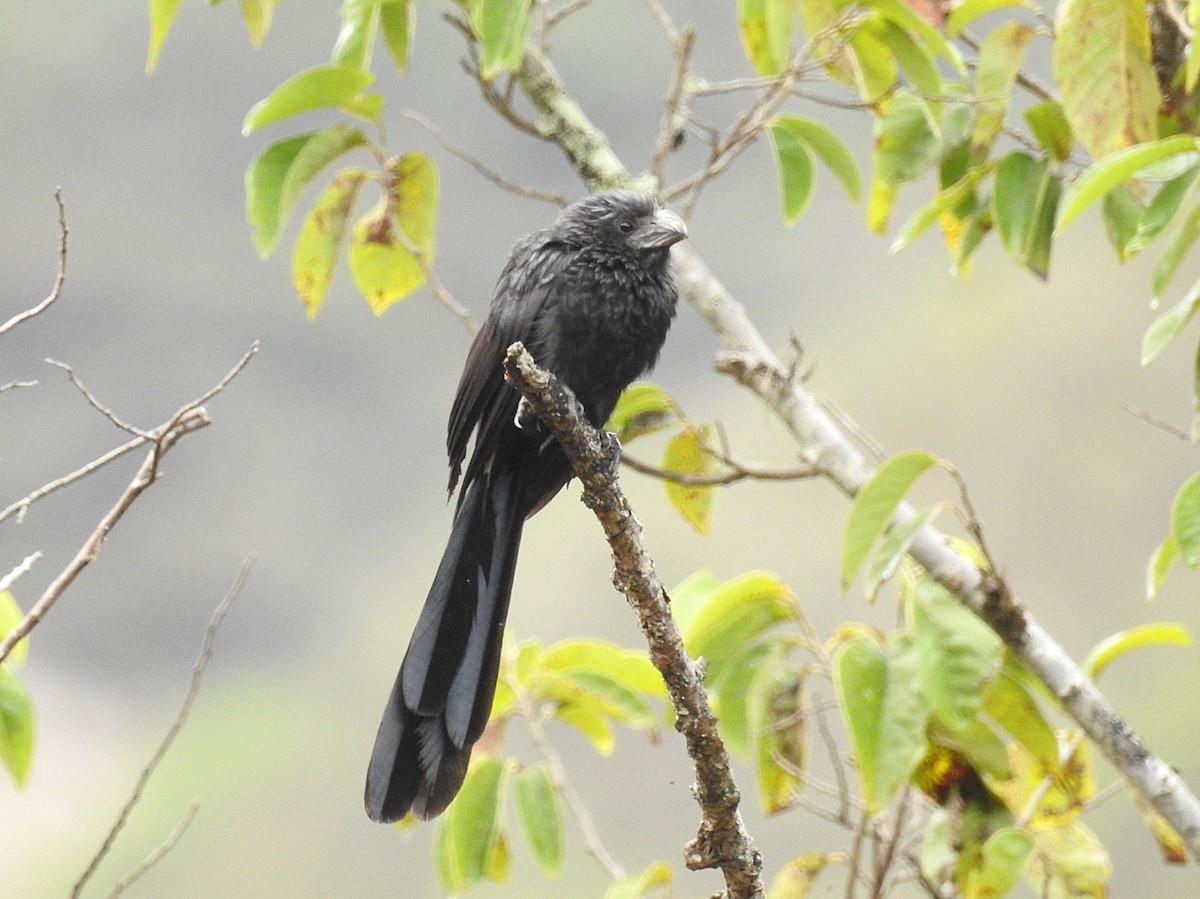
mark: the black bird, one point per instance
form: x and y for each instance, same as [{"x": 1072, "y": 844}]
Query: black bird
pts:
[{"x": 591, "y": 298}]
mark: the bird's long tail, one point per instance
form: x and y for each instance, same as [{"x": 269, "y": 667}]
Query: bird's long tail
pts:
[{"x": 443, "y": 693}]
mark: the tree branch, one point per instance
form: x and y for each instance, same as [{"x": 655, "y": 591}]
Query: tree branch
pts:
[
  {"x": 190, "y": 417},
  {"x": 752, "y": 362},
  {"x": 206, "y": 647},
  {"x": 59, "y": 279},
  {"x": 722, "y": 841}
]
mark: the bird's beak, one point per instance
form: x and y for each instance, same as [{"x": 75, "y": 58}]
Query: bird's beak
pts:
[{"x": 663, "y": 229}]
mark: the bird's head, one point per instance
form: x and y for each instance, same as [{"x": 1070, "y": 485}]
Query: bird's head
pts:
[{"x": 623, "y": 219}]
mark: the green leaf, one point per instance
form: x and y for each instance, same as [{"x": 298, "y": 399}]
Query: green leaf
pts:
[
  {"x": 876, "y": 503},
  {"x": 1102, "y": 64},
  {"x": 10, "y": 617},
  {"x": 316, "y": 88},
  {"x": 356, "y": 39},
  {"x": 945, "y": 201},
  {"x": 1164, "y": 328},
  {"x": 16, "y": 726},
  {"x": 1185, "y": 521},
  {"x": 914, "y": 57},
  {"x": 905, "y": 145},
  {"x": 1000, "y": 58},
  {"x": 321, "y": 237},
  {"x": 686, "y": 454},
  {"x": 383, "y": 267},
  {"x": 279, "y": 174},
  {"x": 627, "y": 666},
  {"x": 1160, "y": 563},
  {"x": 730, "y": 704},
  {"x": 1122, "y": 215},
  {"x": 654, "y": 881},
  {"x": 894, "y": 547},
  {"x": 690, "y": 596},
  {"x": 470, "y": 826},
  {"x": 397, "y": 19},
  {"x": 257, "y": 16},
  {"x": 540, "y": 814},
  {"x": 739, "y": 612},
  {"x": 616, "y": 698},
  {"x": 1109, "y": 649},
  {"x": 999, "y": 864},
  {"x": 1010, "y": 704},
  {"x": 874, "y": 68},
  {"x": 502, "y": 27},
  {"x": 1177, "y": 248},
  {"x": 1165, "y": 207},
  {"x": 1049, "y": 125},
  {"x": 969, "y": 10},
  {"x": 794, "y": 162},
  {"x": 828, "y": 147},
  {"x": 642, "y": 408},
  {"x": 882, "y": 699},
  {"x": 1024, "y": 202},
  {"x": 162, "y": 17},
  {"x": 907, "y": 18},
  {"x": 1117, "y": 168},
  {"x": 766, "y": 28},
  {"x": 956, "y": 651},
  {"x": 979, "y": 223}
]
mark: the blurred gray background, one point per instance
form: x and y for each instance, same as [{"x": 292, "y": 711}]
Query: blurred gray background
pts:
[{"x": 326, "y": 456}]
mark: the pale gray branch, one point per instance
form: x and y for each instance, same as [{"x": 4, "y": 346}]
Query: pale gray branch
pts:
[{"x": 59, "y": 279}]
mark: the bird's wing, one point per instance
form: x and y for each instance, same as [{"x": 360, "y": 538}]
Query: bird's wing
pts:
[{"x": 484, "y": 403}]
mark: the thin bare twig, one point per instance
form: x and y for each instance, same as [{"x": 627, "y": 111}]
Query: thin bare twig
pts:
[
  {"x": 737, "y": 472},
  {"x": 481, "y": 167},
  {"x": 206, "y": 647},
  {"x": 95, "y": 403},
  {"x": 21, "y": 505},
  {"x": 1156, "y": 422},
  {"x": 664, "y": 19},
  {"x": 670, "y": 132},
  {"x": 13, "y": 385},
  {"x": 59, "y": 279},
  {"x": 190, "y": 417},
  {"x": 563, "y": 11},
  {"x": 23, "y": 568},
  {"x": 592, "y": 843},
  {"x": 162, "y": 849}
]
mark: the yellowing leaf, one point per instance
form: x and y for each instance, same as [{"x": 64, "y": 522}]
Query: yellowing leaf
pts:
[
  {"x": 321, "y": 236},
  {"x": 10, "y": 617},
  {"x": 766, "y": 28},
  {"x": 540, "y": 814},
  {"x": 642, "y": 408},
  {"x": 796, "y": 878},
  {"x": 1000, "y": 59},
  {"x": 1102, "y": 64},
  {"x": 686, "y": 455},
  {"x": 470, "y": 826},
  {"x": 257, "y": 16},
  {"x": 16, "y": 726}
]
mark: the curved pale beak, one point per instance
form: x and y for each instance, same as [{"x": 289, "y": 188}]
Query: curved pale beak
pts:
[{"x": 661, "y": 230}]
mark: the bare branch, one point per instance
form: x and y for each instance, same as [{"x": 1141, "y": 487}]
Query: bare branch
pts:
[
  {"x": 722, "y": 841},
  {"x": 1157, "y": 422},
  {"x": 206, "y": 647},
  {"x": 664, "y": 19},
  {"x": 95, "y": 403},
  {"x": 153, "y": 858},
  {"x": 59, "y": 279},
  {"x": 737, "y": 472},
  {"x": 190, "y": 417},
  {"x": 21, "y": 505},
  {"x": 23, "y": 568},
  {"x": 14, "y": 385},
  {"x": 482, "y": 168},
  {"x": 670, "y": 132},
  {"x": 592, "y": 843}
]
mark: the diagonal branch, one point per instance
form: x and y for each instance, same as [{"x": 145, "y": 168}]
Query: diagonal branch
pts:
[
  {"x": 190, "y": 417},
  {"x": 722, "y": 841},
  {"x": 752, "y": 362}
]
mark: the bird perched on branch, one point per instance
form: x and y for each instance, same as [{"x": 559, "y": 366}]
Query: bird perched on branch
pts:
[{"x": 591, "y": 298}]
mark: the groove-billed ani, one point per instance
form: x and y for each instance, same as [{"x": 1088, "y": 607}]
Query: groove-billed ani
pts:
[{"x": 591, "y": 298}]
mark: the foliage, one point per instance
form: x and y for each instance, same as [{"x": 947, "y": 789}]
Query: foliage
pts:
[{"x": 946, "y": 727}]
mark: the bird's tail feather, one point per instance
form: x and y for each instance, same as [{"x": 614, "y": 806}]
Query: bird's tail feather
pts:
[{"x": 439, "y": 705}]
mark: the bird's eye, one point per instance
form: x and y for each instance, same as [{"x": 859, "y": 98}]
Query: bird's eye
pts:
[{"x": 625, "y": 226}]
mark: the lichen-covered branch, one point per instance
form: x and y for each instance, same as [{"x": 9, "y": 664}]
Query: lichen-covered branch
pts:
[
  {"x": 722, "y": 841},
  {"x": 753, "y": 363}
]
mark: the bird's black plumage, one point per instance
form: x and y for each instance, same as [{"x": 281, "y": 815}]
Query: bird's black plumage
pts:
[{"x": 591, "y": 298}]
